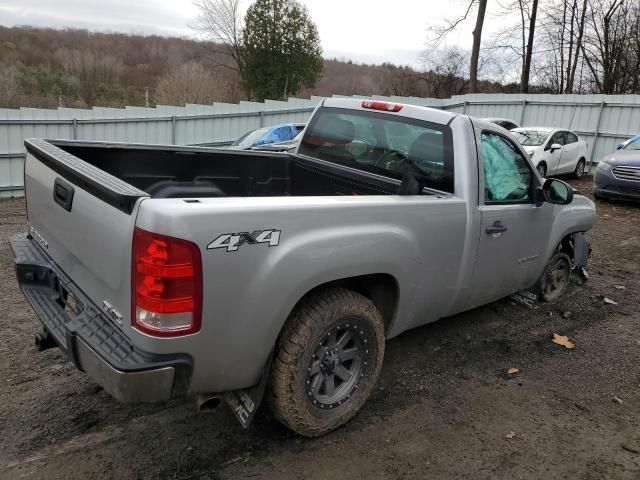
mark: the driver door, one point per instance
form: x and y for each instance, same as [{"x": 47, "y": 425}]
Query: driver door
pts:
[{"x": 514, "y": 231}]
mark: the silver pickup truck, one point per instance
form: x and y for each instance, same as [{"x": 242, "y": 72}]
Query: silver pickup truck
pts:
[{"x": 166, "y": 271}]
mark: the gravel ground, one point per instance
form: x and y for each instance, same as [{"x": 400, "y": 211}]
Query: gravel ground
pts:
[{"x": 445, "y": 406}]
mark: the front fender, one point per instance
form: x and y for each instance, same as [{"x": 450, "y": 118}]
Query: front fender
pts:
[{"x": 578, "y": 216}]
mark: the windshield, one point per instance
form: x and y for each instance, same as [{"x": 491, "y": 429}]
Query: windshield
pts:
[
  {"x": 634, "y": 144},
  {"x": 382, "y": 143},
  {"x": 250, "y": 138},
  {"x": 531, "y": 138}
]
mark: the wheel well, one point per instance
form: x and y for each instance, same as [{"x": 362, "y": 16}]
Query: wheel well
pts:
[
  {"x": 576, "y": 247},
  {"x": 381, "y": 288}
]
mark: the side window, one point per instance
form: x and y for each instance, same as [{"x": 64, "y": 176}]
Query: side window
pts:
[
  {"x": 558, "y": 138},
  {"x": 570, "y": 138},
  {"x": 507, "y": 177}
]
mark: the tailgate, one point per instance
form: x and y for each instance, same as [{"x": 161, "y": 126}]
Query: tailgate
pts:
[{"x": 84, "y": 218}]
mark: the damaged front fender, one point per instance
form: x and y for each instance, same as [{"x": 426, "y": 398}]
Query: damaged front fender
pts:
[{"x": 579, "y": 250}]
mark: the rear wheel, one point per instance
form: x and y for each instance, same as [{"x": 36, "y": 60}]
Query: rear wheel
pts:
[
  {"x": 579, "y": 171},
  {"x": 556, "y": 277},
  {"x": 542, "y": 169},
  {"x": 328, "y": 361}
]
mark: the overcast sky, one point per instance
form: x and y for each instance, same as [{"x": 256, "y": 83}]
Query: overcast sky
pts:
[{"x": 370, "y": 31}]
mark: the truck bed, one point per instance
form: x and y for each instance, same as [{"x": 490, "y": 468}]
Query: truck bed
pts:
[{"x": 195, "y": 172}]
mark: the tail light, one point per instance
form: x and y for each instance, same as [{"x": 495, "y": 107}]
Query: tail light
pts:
[
  {"x": 383, "y": 106},
  {"x": 166, "y": 283}
]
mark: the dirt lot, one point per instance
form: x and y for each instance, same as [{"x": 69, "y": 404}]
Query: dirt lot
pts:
[{"x": 444, "y": 408}]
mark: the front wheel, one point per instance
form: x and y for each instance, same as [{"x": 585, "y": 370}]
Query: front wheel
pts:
[
  {"x": 327, "y": 362},
  {"x": 579, "y": 171},
  {"x": 556, "y": 277}
]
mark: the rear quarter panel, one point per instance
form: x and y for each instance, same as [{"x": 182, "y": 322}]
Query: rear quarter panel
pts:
[{"x": 248, "y": 294}]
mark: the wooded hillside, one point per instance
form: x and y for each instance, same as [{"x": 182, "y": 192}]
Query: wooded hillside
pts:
[{"x": 77, "y": 68}]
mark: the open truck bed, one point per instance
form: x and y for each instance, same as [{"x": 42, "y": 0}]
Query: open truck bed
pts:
[{"x": 121, "y": 173}]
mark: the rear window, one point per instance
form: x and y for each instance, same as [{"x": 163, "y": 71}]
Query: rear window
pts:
[{"x": 382, "y": 143}]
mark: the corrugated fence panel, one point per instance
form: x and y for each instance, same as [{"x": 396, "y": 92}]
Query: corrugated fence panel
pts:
[{"x": 603, "y": 121}]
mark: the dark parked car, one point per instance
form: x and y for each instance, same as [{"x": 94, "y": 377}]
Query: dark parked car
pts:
[{"x": 618, "y": 174}]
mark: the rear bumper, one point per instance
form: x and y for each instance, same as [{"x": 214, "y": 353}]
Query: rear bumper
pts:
[{"x": 91, "y": 340}]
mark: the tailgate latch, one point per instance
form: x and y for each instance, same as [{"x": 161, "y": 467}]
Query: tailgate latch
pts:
[{"x": 63, "y": 194}]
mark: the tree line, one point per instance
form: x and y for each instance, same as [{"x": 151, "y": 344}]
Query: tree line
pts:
[
  {"x": 46, "y": 68},
  {"x": 556, "y": 46},
  {"x": 273, "y": 51}
]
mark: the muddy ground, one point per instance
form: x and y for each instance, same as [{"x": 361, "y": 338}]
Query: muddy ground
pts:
[{"x": 444, "y": 408}]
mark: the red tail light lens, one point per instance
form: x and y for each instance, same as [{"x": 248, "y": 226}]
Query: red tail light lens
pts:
[
  {"x": 382, "y": 106},
  {"x": 166, "y": 282}
]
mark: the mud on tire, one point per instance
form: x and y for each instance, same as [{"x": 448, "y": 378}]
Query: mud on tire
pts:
[{"x": 327, "y": 361}]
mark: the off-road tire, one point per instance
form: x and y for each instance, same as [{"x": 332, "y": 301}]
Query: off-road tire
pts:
[{"x": 290, "y": 396}]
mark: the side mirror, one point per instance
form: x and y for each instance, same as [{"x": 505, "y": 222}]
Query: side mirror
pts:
[
  {"x": 620, "y": 146},
  {"x": 555, "y": 146},
  {"x": 557, "y": 192}
]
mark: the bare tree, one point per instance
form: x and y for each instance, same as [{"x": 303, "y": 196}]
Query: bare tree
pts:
[
  {"x": 526, "y": 64},
  {"x": 10, "y": 95},
  {"x": 514, "y": 42},
  {"x": 445, "y": 71},
  {"x": 608, "y": 45},
  {"x": 91, "y": 69},
  {"x": 440, "y": 32},
  {"x": 475, "y": 50},
  {"x": 571, "y": 76},
  {"x": 190, "y": 83},
  {"x": 221, "y": 22},
  {"x": 559, "y": 44}
]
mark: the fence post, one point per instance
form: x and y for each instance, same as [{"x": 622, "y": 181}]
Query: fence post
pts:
[
  {"x": 261, "y": 118},
  {"x": 173, "y": 130},
  {"x": 75, "y": 128},
  {"x": 524, "y": 107},
  {"x": 595, "y": 136},
  {"x": 464, "y": 107}
]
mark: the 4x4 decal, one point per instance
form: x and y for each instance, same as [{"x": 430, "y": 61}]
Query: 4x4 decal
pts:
[{"x": 233, "y": 241}]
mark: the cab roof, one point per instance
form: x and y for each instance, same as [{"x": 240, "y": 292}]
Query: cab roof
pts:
[{"x": 410, "y": 111}]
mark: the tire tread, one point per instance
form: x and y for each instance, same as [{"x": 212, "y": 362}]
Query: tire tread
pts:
[{"x": 315, "y": 312}]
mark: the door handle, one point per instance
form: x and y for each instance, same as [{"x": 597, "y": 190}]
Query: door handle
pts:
[{"x": 496, "y": 228}]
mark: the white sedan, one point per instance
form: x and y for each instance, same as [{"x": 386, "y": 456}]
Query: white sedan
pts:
[{"x": 554, "y": 151}]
